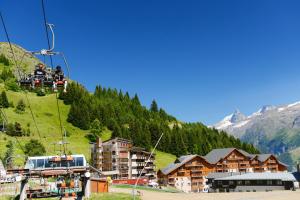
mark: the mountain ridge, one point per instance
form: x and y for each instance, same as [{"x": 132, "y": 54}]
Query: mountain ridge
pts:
[{"x": 274, "y": 129}]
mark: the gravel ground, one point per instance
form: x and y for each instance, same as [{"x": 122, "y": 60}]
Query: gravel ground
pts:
[{"x": 275, "y": 195}]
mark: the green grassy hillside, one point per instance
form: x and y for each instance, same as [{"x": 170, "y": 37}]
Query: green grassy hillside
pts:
[
  {"x": 28, "y": 62},
  {"x": 163, "y": 159},
  {"x": 46, "y": 114}
]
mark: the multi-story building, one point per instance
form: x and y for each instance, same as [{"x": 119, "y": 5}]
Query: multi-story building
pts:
[
  {"x": 139, "y": 158},
  {"x": 119, "y": 159},
  {"x": 188, "y": 173}
]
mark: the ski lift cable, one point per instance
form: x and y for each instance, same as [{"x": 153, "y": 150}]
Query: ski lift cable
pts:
[
  {"x": 19, "y": 71},
  {"x": 50, "y": 49},
  {"x": 47, "y": 34}
]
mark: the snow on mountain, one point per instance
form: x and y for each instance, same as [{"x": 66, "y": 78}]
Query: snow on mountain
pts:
[
  {"x": 229, "y": 120},
  {"x": 273, "y": 129}
]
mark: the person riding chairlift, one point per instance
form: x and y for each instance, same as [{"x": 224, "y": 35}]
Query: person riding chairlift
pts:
[
  {"x": 39, "y": 75},
  {"x": 59, "y": 78}
]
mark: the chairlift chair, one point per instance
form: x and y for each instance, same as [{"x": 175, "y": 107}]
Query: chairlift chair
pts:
[{"x": 48, "y": 80}]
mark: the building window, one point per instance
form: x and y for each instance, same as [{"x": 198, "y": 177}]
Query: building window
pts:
[
  {"x": 239, "y": 182},
  {"x": 247, "y": 183},
  {"x": 279, "y": 182},
  {"x": 231, "y": 182},
  {"x": 269, "y": 182}
]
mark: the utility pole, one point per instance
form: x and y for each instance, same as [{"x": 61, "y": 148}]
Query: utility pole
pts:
[{"x": 137, "y": 180}]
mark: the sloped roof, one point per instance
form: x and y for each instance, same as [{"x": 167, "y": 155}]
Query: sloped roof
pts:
[
  {"x": 215, "y": 155},
  {"x": 263, "y": 157},
  {"x": 251, "y": 156},
  {"x": 215, "y": 175},
  {"x": 182, "y": 160},
  {"x": 284, "y": 176},
  {"x": 297, "y": 175}
]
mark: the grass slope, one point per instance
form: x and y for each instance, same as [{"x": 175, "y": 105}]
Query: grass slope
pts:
[
  {"x": 46, "y": 115},
  {"x": 163, "y": 159},
  {"x": 28, "y": 62}
]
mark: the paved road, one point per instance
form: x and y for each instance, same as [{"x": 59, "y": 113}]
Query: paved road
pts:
[{"x": 276, "y": 195}]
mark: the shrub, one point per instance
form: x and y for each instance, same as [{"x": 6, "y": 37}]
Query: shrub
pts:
[
  {"x": 6, "y": 74},
  {"x": 34, "y": 148},
  {"x": 11, "y": 84},
  {"x": 4, "y": 60},
  {"x": 3, "y": 100},
  {"x": 20, "y": 108},
  {"x": 14, "y": 129}
]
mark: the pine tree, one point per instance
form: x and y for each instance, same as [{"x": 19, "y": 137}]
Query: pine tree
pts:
[
  {"x": 20, "y": 108},
  {"x": 127, "y": 118},
  {"x": 7, "y": 159},
  {"x": 154, "y": 107},
  {"x": 3, "y": 100},
  {"x": 96, "y": 127},
  {"x": 136, "y": 100},
  {"x": 34, "y": 148}
]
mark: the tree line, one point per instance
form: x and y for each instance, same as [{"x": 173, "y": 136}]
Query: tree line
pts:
[{"x": 127, "y": 118}]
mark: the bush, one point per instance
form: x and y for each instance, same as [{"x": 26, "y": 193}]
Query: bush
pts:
[
  {"x": 14, "y": 129},
  {"x": 4, "y": 60},
  {"x": 34, "y": 148},
  {"x": 20, "y": 108},
  {"x": 6, "y": 74},
  {"x": 40, "y": 92},
  {"x": 11, "y": 84},
  {"x": 3, "y": 100}
]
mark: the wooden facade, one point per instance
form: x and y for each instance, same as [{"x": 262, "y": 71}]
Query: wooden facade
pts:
[{"x": 189, "y": 173}]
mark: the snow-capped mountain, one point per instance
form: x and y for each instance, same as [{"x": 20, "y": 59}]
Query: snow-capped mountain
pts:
[{"x": 274, "y": 129}]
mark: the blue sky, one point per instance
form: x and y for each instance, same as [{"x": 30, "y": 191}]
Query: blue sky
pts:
[{"x": 200, "y": 60}]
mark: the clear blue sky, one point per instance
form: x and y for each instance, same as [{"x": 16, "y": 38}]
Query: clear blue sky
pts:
[{"x": 199, "y": 59}]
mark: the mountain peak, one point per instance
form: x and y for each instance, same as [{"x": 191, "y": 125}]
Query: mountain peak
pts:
[
  {"x": 237, "y": 116},
  {"x": 266, "y": 108}
]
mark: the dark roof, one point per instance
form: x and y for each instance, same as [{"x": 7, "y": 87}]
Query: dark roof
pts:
[
  {"x": 284, "y": 176},
  {"x": 215, "y": 155},
  {"x": 263, "y": 157},
  {"x": 182, "y": 160},
  {"x": 215, "y": 175},
  {"x": 297, "y": 175}
]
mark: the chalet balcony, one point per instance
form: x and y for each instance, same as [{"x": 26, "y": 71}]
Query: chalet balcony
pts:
[
  {"x": 181, "y": 170},
  {"x": 272, "y": 164},
  {"x": 197, "y": 179},
  {"x": 149, "y": 167},
  {"x": 198, "y": 175},
  {"x": 196, "y": 170},
  {"x": 235, "y": 158},
  {"x": 255, "y": 162},
  {"x": 194, "y": 165}
]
